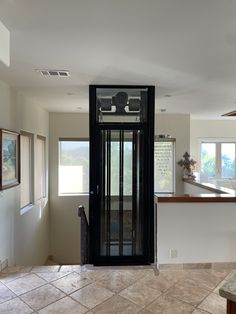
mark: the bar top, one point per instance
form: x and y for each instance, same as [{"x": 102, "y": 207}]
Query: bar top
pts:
[
  {"x": 228, "y": 290},
  {"x": 196, "y": 198},
  {"x": 220, "y": 195}
]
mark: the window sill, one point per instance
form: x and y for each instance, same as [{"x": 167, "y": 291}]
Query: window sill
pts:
[
  {"x": 25, "y": 209},
  {"x": 42, "y": 202}
]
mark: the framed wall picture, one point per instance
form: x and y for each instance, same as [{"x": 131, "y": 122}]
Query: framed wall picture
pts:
[{"x": 9, "y": 159}]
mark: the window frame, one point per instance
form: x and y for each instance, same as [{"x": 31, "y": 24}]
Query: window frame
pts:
[
  {"x": 44, "y": 140},
  {"x": 31, "y": 168},
  {"x": 173, "y": 140},
  {"x": 70, "y": 139},
  {"x": 218, "y": 142}
]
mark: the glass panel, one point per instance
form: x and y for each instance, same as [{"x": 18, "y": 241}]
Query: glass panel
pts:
[
  {"x": 208, "y": 159},
  {"x": 164, "y": 167},
  {"x": 128, "y": 188},
  {"x": 228, "y": 160},
  {"x": 121, "y": 105},
  {"x": 73, "y": 167},
  {"x": 120, "y": 196}
]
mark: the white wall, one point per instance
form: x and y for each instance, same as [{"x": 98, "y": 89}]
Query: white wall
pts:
[
  {"x": 23, "y": 238},
  {"x": 178, "y": 126},
  {"x": 32, "y": 228},
  {"x": 209, "y": 129},
  {"x": 64, "y": 221},
  {"x": 200, "y": 232}
]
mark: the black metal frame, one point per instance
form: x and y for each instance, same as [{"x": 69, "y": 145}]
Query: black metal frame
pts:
[{"x": 95, "y": 179}]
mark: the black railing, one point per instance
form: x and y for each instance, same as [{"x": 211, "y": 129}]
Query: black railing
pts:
[{"x": 84, "y": 236}]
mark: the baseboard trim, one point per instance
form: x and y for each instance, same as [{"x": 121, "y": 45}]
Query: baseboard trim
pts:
[{"x": 189, "y": 266}]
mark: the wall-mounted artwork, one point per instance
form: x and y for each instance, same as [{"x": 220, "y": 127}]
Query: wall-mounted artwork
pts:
[{"x": 9, "y": 159}]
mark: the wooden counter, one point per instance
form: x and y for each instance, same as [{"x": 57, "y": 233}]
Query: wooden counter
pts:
[
  {"x": 198, "y": 198},
  {"x": 220, "y": 195}
]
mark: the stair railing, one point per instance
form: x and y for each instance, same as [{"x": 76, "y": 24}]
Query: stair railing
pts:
[{"x": 84, "y": 236}]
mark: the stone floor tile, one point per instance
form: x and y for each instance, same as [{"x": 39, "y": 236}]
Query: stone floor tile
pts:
[
  {"x": 45, "y": 269},
  {"x": 173, "y": 276},
  {"x": 41, "y": 297},
  {"x": 8, "y": 277},
  {"x": 166, "y": 304},
  {"x": 25, "y": 284},
  {"x": 214, "y": 304},
  {"x": 52, "y": 276},
  {"x": 197, "y": 311},
  {"x": 15, "y": 306},
  {"x": 143, "y": 311},
  {"x": 207, "y": 279},
  {"x": 5, "y": 294},
  {"x": 71, "y": 283},
  {"x": 188, "y": 293},
  {"x": 96, "y": 275},
  {"x": 140, "y": 294},
  {"x": 117, "y": 305},
  {"x": 70, "y": 268},
  {"x": 65, "y": 305},
  {"x": 92, "y": 295},
  {"x": 158, "y": 282},
  {"x": 14, "y": 269},
  {"x": 118, "y": 280}
]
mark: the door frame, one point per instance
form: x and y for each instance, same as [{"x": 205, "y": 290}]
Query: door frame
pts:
[{"x": 95, "y": 196}]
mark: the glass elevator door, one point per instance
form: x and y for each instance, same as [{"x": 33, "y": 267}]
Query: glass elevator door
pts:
[{"x": 121, "y": 201}]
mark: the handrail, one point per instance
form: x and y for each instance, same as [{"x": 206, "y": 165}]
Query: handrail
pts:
[{"x": 84, "y": 236}]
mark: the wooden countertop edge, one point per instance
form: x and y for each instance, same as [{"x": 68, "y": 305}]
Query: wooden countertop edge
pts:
[{"x": 199, "y": 198}]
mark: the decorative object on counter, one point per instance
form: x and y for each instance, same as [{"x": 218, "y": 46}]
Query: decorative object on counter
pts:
[
  {"x": 9, "y": 159},
  {"x": 188, "y": 165}
]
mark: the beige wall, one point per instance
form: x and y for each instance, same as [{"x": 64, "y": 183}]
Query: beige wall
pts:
[
  {"x": 217, "y": 129},
  {"x": 64, "y": 222},
  {"x": 23, "y": 238}
]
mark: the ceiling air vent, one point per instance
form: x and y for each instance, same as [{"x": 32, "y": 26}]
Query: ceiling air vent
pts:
[
  {"x": 229, "y": 114},
  {"x": 59, "y": 73}
]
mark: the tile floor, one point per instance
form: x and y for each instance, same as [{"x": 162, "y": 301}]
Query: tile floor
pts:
[{"x": 72, "y": 289}]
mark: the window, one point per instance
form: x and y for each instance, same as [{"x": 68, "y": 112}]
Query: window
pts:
[
  {"x": 73, "y": 166},
  {"x": 26, "y": 187},
  {"x": 40, "y": 167},
  {"x": 218, "y": 159},
  {"x": 164, "y": 165}
]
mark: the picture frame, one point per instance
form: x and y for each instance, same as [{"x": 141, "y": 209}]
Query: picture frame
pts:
[{"x": 9, "y": 159}]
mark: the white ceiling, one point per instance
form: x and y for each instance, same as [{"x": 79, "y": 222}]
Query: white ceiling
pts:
[{"x": 187, "y": 48}]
